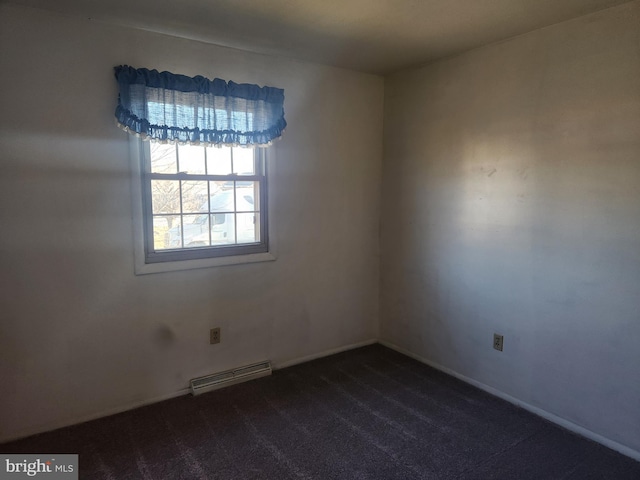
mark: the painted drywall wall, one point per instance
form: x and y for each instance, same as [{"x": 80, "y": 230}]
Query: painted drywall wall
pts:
[
  {"x": 80, "y": 333},
  {"x": 511, "y": 204}
]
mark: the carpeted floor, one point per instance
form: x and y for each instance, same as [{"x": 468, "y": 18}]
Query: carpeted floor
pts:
[{"x": 370, "y": 413}]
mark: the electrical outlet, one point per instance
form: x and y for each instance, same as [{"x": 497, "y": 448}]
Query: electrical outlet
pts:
[
  {"x": 498, "y": 341},
  {"x": 214, "y": 335}
]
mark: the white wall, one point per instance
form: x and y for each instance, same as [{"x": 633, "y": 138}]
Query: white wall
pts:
[
  {"x": 511, "y": 204},
  {"x": 80, "y": 333}
]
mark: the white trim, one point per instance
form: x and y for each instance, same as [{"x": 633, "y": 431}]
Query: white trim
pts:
[
  {"x": 277, "y": 365},
  {"x": 628, "y": 451},
  {"x": 47, "y": 427},
  {"x": 623, "y": 449},
  {"x": 136, "y": 146},
  {"x": 142, "y": 268}
]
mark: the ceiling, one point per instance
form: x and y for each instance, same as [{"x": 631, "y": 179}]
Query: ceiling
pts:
[{"x": 377, "y": 36}]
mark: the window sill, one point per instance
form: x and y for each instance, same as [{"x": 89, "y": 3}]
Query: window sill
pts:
[{"x": 142, "y": 268}]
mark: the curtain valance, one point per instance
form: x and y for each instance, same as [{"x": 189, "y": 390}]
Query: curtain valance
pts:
[{"x": 167, "y": 107}]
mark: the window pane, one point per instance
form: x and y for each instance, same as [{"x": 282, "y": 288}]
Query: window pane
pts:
[
  {"x": 191, "y": 159},
  {"x": 248, "y": 227},
  {"x": 223, "y": 230},
  {"x": 163, "y": 158},
  {"x": 218, "y": 160},
  {"x": 243, "y": 161},
  {"x": 222, "y": 200},
  {"x": 246, "y": 196},
  {"x": 219, "y": 186},
  {"x": 194, "y": 196},
  {"x": 166, "y": 232},
  {"x": 195, "y": 230},
  {"x": 165, "y": 196}
]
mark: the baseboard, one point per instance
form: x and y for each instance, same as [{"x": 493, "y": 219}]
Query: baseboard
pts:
[
  {"x": 94, "y": 416},
  {"x": 185, "y": 391},
  {"x": 629, "y": 452},
  {"x": 295, "y": 361},
  {"x": 325, "y": 353}
]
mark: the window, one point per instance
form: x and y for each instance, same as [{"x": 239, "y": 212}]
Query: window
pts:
[
  {"x": 199, "y": 198},
  {"x": 202, "y": 202}
]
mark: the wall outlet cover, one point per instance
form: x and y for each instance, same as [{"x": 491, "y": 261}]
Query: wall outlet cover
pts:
[{"x": 214, "y": 335}]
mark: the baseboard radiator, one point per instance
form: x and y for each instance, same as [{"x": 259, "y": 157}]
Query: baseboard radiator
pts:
[{"x": 230, "y": 377}]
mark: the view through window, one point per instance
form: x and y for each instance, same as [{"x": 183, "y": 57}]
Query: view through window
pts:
[{"x": 202, "y": 202}]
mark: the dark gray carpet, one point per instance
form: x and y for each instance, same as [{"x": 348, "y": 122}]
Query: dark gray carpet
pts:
[{"x": 370, "y": 413}]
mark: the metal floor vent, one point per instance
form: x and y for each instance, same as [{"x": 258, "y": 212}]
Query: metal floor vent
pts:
[{"x": 230, "y": 377}]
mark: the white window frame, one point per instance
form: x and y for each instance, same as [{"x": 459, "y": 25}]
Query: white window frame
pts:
[{"x": 141, "y": 267}]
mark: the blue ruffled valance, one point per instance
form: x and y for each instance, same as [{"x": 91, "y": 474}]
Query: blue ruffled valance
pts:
[{"x": 166, "y": 107}]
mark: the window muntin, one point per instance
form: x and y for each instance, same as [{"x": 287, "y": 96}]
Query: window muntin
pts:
[{"x": 202, "y": 202}]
